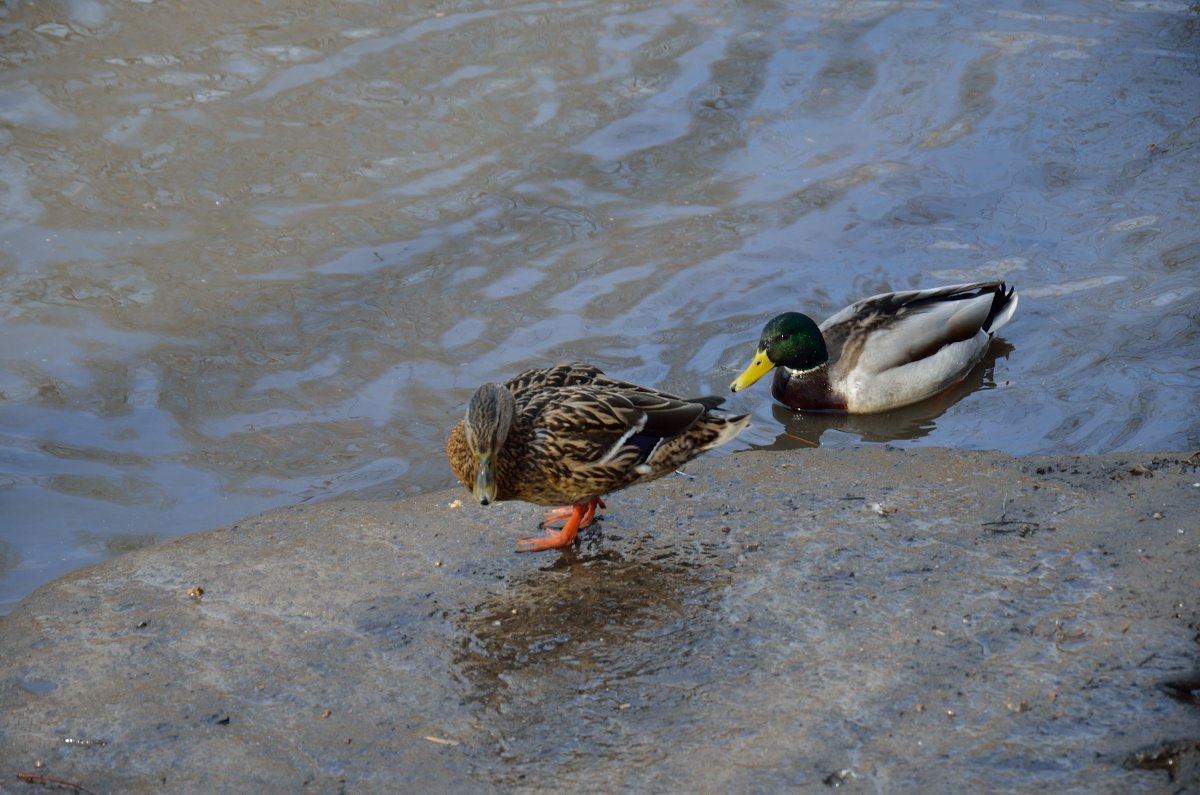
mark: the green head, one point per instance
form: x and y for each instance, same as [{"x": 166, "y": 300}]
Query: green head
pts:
[
  {"x": 489, "y": 417},
  {"x": 789, "y": 340}
]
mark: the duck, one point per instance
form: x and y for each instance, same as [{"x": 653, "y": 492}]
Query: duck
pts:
[
  {"x": 882, "y": 352},
  {"x": 569, "y": 435}
]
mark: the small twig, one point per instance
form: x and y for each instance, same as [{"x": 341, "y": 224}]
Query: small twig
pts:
[
  {"x": 49, "y": 781},
  {"x": 440, "y": 740},
  {"x": 1023, "y": 529}
]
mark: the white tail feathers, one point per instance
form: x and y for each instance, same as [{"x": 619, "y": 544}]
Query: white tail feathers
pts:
[{"x": 999, "y": 320}]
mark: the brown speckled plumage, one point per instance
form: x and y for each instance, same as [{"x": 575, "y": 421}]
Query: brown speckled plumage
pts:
[{"x": 576, "y": 435}]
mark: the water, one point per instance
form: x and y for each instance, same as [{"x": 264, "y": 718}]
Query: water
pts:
[{"x": 258, "y": 253}]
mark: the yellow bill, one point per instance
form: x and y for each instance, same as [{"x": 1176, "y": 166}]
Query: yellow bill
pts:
[{"x": 761, "y": 365}]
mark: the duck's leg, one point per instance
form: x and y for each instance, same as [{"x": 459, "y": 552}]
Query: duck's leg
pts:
[
  {"x": 591, "y": 511},
  {"x": 577, "y": 516},
  {"x": 564, "y": 514}
]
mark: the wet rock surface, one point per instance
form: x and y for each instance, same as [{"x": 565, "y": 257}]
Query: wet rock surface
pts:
[{"x": 870, "y": 619}]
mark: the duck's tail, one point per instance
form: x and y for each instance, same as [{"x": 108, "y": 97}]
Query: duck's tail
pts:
[
  {"x": 1004, "y": 304},
  {"x": 723, "y": 429}
]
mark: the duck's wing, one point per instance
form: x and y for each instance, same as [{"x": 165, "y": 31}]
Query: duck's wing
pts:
[
  {"x": 585, "y": 425},
  {"x": 567, "y": 374},
  {"x": 560, "y": 375},
  {"x": 894, "y": 329}
]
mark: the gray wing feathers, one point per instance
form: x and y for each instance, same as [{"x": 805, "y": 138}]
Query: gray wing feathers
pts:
[{"x": 900, "y": 328}]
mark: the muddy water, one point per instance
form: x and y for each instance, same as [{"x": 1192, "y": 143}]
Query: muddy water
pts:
[{"x": 257, "y": 253}]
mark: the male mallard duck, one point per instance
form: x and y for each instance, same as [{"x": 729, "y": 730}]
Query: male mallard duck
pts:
[
  {"x": 882, "y": 352},
  {"x": 570, "y": 434}
]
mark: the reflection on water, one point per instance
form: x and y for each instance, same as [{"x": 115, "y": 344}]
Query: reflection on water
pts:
[
  {"x": 804, "y": 429},
  {"x": 258, "y": 253}
]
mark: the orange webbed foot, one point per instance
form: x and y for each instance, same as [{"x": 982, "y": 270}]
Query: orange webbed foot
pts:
[
  {"x": 557, "y": 515},
  {"x": 564, "y": 515},
  {"x": 574, "y": 518}
]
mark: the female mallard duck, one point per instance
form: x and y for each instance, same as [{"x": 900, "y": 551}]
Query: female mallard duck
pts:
[
  {"x": 882, "y": 352},
  {"x": 570, "y": 434}
]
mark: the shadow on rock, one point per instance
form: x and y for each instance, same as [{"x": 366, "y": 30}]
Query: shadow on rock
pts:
[
  {"x": 558, "y": 659},
  {"x": 584, "y": 617}
]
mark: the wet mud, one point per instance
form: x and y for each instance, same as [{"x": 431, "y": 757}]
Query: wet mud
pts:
[{"x": 875, "y": 620}]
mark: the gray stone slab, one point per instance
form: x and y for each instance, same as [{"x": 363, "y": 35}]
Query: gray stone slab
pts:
[{"x": 883, "y": 620}]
